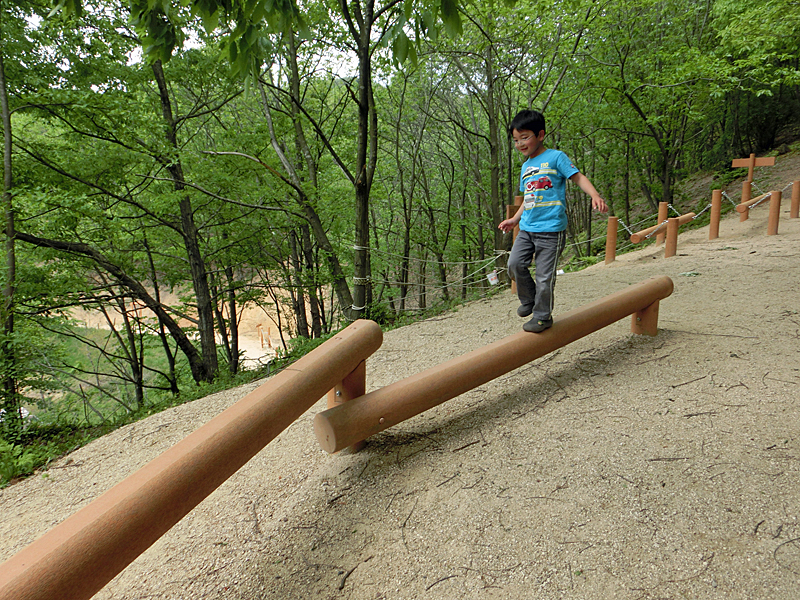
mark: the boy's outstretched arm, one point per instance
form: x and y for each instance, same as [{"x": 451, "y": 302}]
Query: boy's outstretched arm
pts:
[{"x": 583, "y": 182}]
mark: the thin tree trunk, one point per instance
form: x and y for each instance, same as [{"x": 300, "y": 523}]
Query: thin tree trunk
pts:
[
  {"x": 233, "y": 320},
  {"x": 191, "y": 238},
  {"x": 171, "y": 377},
  {"x": 10, "y": 401},
  {"x": 298, "y": 293}
]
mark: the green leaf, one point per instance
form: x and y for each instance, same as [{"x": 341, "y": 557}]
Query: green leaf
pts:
[
  {"x": 451, "y": 18},
  {"x": 400, "y": 47}
]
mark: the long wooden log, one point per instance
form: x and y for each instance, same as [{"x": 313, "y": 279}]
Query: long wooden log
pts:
[
  {"x": 353, "y": 421},
  {"x": 77, "y": 558},
  {"x": 642, "y": 235}
]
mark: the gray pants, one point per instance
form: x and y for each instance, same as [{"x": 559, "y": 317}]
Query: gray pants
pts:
[{"x": 545, "y": 250}]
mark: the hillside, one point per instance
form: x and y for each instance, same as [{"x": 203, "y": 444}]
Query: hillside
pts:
[{"x": 617, "y": 467}]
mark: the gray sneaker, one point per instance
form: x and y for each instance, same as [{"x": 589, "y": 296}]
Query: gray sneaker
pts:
[
  {"x": 537, "y": 325},
  {"x": 524, "y": 310}
]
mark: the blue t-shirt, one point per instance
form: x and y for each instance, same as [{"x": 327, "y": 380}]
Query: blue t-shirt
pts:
[{"x": 543, "y": 182}]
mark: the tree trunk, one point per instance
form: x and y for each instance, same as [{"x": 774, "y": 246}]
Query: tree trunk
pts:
[
  {"x": 191, "y": 238},
  {"x": 494, "y": 149},
  {"x": 340, "y": 284},
  {"x": 298, "y": 293},
  {"x": 310, "y": 266},
  {"x": 171, "y": 375},
  {"x": 10, "y": 401},
  {"x": 366, "y": 154},
  {"x": 233, "y": 320}
]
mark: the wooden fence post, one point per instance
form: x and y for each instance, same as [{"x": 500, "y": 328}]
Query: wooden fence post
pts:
[
  {"x": 611, "y": 240},
  {"x": 774, "y": 212},
  {"x": 671, "y": 247},
  {"x": 645, "y": 321},
  {"x": 794, "y": 212},
  {"x": 716, "y": 210},
  {"x": 747, "y": 192},
  {"x": 663, "y": 213}
]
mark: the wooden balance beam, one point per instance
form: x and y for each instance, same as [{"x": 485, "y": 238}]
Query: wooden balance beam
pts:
[
  {"x": 77, "y": 558},
  {"x": 348, "y": 423}
]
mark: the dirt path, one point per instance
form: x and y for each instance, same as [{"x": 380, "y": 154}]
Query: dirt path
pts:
[{"x": 618, "y": 467}]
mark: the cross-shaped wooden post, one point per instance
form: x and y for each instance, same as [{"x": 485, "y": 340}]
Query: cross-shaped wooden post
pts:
[{"x": 747, "y": 186}]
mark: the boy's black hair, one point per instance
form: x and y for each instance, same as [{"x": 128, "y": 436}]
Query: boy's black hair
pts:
[{"x": 531, "y": 120}]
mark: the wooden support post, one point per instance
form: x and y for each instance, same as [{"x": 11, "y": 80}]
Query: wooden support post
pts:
[
  {"x": 645, "y": 321},
  {"x": 338, "y": 427},
  {"x": 794, "y": 211},
  {"x": 774, "y": 212},
  {"x": 663, "y": 214},
  {"x": 352, "y": 386},
  {"x": 747, "y": 192},
  {"x": 671, "y": 247},
  {"x": 716, "y": 211},
  {"x": 611, "y": 240}
]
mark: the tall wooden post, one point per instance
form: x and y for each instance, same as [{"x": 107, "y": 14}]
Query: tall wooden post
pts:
[
  {"x": 774, "y": 212},
  {"x": 716, "y": 210},
  {"x": 671, "y": 247},
  {"x": 611, "y": 240},
  {"x": 794, "y": 211},
  {"x": 663, "y": 213}
]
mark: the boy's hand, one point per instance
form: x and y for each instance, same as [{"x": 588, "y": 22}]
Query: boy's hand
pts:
[
  {"x": 507, "y": 225},
  {"x": 599, "y": 204}
]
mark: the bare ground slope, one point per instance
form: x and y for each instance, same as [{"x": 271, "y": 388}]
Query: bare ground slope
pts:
[{"x": 617, "y": 467}]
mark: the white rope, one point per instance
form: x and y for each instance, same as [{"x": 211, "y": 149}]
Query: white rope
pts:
[
  {"x": 630, "y": 230},
  {"x": 725, "y": 194},
  {"x": 435, "y": 262},
  {"x": 585, "y": 241},
  {"x": 701, "y": 212},
  {"x": 655, "y": 231},
  {"x": 767, "y": 197},
  {"x": 455, "y": 282}
]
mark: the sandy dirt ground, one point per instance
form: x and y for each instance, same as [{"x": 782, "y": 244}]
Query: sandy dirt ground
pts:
[{"x": 619, "y": 466}]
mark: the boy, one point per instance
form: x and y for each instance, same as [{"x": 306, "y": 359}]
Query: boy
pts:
[{"x": 542, "y": 218}]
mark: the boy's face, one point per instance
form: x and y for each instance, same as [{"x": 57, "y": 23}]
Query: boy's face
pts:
[{"x": 527, "y": 142}]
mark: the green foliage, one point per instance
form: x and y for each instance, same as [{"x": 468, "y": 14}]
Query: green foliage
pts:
[
  {"x": 21, "y": 453},
  {"x": 15, "y": 461}
]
